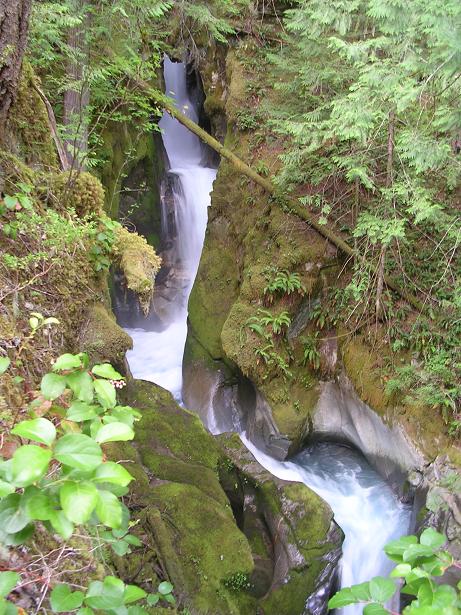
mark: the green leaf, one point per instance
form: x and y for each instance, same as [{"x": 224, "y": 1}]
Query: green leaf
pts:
[
  {"x": 106, "y": 595},
  {"x": 63, "y": 600},
  {"x": 10, "y": 201},
  {"x": 61, "y": 524},
  {"x": 4, "y": 364},
  {"x": 67, "y": 361},
  {"x": 105, "y": 370},
  {"x": 114, "y": 432},
  {"x": 78, "y": 451},
  {"x": 13, "y": 518},
  {"x": 52, "y": 386},
  {"x": 109, "y": 509},
  {"x": 375, "y": 609},
  {"x": 416, "y": 551},
  {"x": 30, "y": 463},
  {"x": 81, "y": 384},
  {"x": 81, "y": 411},
  {"x": 78, "y": 500},
  {"x": 152, "y": 599},
  {"x": 401, "y": 570},
  {"x": 361, "y": 592},
  {"x": 381, "y": 589},
  {"x": 165, "y": 588},
  {"x": 39, "y": 430},
  {"x": 121, "y": 548},
  {"x": 5, "y": 488},
  {"x": 396, "y": 548},
  {"x": 113, "y": 473},
  {"x": 8, "y": 581},
  {"x": 132, "y": 540},
  {"x": 105, "y": 392},
  {"x": 433, "y": 539},
  {"x": 38, "y": 505},
  {"x": 133, "y": 593},
  {"x": 342, "y": 598}
]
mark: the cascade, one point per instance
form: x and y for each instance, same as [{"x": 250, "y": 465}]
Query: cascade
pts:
[
  {"x": 364, "y": 505},
  {"x": 158, "y": 350}
]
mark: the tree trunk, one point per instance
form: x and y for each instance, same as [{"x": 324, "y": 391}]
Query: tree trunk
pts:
[
  {"x": 14, "y": 25},
  {"x": 77, "y": 97}
]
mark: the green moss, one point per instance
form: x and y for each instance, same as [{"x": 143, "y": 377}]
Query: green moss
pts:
[
  {"x": 209, "y": 543},
  {"x": 102, "y": 338},
  {"x": 80, "y": 191},
  {"x": 29, "y": 124}
]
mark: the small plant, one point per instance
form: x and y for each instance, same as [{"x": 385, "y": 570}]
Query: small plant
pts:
[
  {"x": 419, "y": 563},
  {"x": 12, "y": 204},
  {"x": 277, "y": 323},
  {"x": 238, "y": 582},
  {"x": 311, "y": 354},
  {"x": 262, "y": 168},
  {"x": 281, "y": 282},
  {"x": 102, "y": 238},
  {"x": 246, "y": 120}
]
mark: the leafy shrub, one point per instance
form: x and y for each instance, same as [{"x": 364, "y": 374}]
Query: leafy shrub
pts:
[
  {"x": 419, "y": 563},
  {"x": 60, "y": 477},
  {"x": 281, "y": 282}
]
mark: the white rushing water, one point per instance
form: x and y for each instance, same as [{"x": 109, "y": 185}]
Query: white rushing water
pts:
[
  {"x": 157, "y": 355},
  {"x": 363, "y": 504}
]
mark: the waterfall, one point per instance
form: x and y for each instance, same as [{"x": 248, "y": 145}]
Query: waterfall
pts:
[
  {"x": 363, "y": 504},
  {"x": 157, "y": 354}
]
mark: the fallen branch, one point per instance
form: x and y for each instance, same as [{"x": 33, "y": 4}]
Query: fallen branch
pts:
[
  {"x": 54, "y": 130},
  {"x": 293, "y": 205}
]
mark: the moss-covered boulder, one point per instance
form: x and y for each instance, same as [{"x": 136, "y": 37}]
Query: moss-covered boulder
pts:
[
  {"x": 295, "y": 542},
  {"x": 186, "y": 521},
  {"x": 102, "y": 338}
]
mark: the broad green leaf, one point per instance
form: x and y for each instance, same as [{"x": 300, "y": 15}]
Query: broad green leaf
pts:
[
  {"x": 133, "y": 593},
  {"x": 39, "y": 430},
  {"x": 34, "y": 322},
  {"x": 132, "y": 540},
  {"x": 61, "y": 524},
  {"x": 342, "y": 598},
  {"x": 78, "y": 451},
  {"x": 375, "y": 609},
  {"x": 52, "y": 386},
  {"x": 121, "y": 548},
  {"x": 8, "y": 581},
  {"x": 7, "y": 607},
  {"x": 10, "y": 201},
  {"x": 5, "y": 489},
  {"x": 401, "y": 570},
  {"x": 425, "y": 593},
  {"x": 114, "y": 473},
  {"x": 105, "y": 392},
  {"x": 78, "y": 500},
  {"x": 361, "y": 592},
  {"x": 396, "y": 548},
  {"x": 114, "y": 432},
  {"x": 109, "y": 509},
  {"x": 67, "y": 361},
  {"x": 30, "y": 463},
  {"x": 81, "y": 411},
  {"x": 105, "y": 370},
  {"x": 444, "y": 596},
  {"x": 18, "y": 538},
  {"x": 381, "y": 589},
  {"x": 38, "y": 505},
  {"x": 4, "y": 364},
  {"x": 431, "y": 538},
  {"x": 416, "y": 551},
  {"x": 152, "y": 599},
  {"x": 13, "y": 518},
  {"x": 165, "y": 588},
  {"x": 63, "y": 600},
  {"x": 81, "y": 384},
  {"x": 106, "y": 595}
]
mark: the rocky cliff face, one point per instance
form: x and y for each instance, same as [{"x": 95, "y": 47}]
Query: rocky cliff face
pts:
[{"x": 263, "y": 381}]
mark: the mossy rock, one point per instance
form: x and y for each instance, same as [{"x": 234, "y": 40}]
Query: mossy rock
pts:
[
  {"x": 102, "y": 338},
  {"x": 80, "y": 191}
]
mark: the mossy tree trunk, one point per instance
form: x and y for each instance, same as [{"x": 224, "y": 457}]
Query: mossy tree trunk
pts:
[
  {"x": 77, "y": 96},
  {"x": 14, "y": 25}
]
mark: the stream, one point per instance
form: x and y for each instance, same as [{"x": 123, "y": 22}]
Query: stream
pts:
[{"x": 363, "y": 504}]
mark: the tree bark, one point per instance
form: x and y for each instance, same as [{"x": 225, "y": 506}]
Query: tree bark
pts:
[
  {"x": 77, "y": 97},
  {"x": 14, "y": 26}
]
